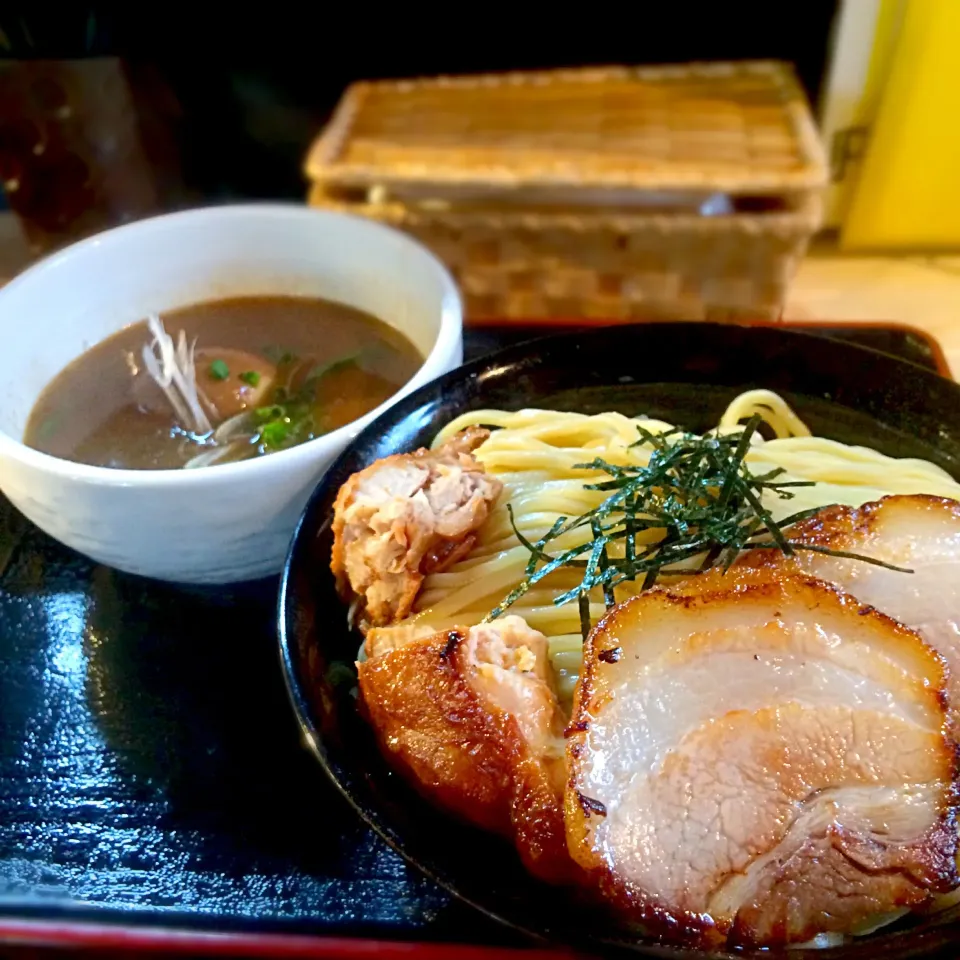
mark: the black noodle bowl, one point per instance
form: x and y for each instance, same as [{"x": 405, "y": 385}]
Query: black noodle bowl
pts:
[{"x": 685, "y": 373}]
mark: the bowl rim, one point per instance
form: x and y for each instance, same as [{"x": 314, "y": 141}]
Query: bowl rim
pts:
[{"x": 449, "y": 332}]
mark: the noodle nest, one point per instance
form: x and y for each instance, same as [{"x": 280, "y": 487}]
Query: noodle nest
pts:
[{"x": 536, "y": 452}]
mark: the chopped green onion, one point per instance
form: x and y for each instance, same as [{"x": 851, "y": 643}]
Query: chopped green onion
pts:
[
  {"x": 340, "y": 674},
  {"x": 274, "y": 433},
  {"x": 49, "y": 427},
  {"x": 218, "y": 370},
  {"x": 266, "y": 414},
  {"x": 251, "y": 377}
]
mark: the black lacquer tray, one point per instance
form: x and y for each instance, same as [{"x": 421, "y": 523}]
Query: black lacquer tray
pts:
[{"x": 154, "y": 788}]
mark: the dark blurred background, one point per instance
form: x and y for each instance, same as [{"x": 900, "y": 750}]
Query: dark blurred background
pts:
[{"x": 228, "y": 103}]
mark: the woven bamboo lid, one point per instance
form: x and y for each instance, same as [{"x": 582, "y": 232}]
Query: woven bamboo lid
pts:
[{"x": 732, "y": 127}]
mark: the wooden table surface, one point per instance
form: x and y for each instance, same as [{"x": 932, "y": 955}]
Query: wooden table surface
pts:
[{"x": 922, "y": 292}]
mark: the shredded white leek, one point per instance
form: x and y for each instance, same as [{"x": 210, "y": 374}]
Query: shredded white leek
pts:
[
  {"x": 232, "y": 440},
  {"x": 174, "y": 370},
  {"x": 208, "y": 458}
]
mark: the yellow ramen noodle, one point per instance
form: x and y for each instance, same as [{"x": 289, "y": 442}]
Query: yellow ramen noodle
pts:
[{"x": 535, "y": 452}]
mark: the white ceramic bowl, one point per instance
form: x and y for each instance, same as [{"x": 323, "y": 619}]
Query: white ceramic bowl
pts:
[{"x": 224, "y": 523}]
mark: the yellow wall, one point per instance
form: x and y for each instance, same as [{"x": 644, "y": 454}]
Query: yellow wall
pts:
[{"x": 908, "y": 191}]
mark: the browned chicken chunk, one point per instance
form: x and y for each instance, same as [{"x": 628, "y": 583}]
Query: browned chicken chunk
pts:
[
  {"x": 405, "y": 516},
  {"x": 761, "y": 764},
  {"x": 472, "y": 719}
]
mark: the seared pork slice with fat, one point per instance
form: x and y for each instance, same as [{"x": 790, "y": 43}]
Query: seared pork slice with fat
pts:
[
  {"x": 919, "y": 532},
  {"x": 760, "y": 765},
  {"x": 471, "y": 718},
  {"x": 405, "y": 516}
]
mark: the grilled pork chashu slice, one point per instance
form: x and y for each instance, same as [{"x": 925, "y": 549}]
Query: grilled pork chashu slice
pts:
[
  {"x": 760, "y": 764},
  {"x": 406, "y": 516},
  {"x": 920, "y": 532},
  {"x": 471, "y": 718}
]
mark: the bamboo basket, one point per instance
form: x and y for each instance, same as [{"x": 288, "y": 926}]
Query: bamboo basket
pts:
[{"x": 625, "y": 193}]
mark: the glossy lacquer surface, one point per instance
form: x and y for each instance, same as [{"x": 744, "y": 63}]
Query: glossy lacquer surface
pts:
[
  {"x": 152, "y": 772},
  {"x": 150, "y": 763}
]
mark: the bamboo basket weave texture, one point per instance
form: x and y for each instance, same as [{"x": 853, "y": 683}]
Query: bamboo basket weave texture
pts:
[{"x": 579, "y": 192}]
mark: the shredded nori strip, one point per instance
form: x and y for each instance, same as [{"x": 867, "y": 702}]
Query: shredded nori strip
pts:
[{"x": 698, "y": 490}]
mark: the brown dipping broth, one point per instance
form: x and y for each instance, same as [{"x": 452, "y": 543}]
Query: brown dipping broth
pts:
[{"x": 342, "y": 361}]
